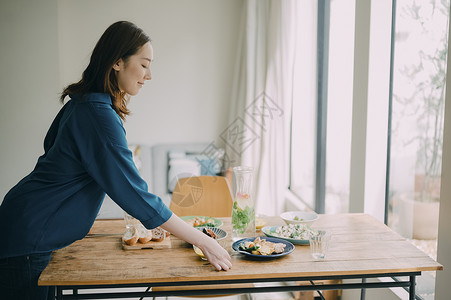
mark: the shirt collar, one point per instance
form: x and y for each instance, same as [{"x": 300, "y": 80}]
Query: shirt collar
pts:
[{"x": 93, "y": 97}]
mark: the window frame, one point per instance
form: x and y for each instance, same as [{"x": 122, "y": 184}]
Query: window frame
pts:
[{"x": 322, "y": 66}]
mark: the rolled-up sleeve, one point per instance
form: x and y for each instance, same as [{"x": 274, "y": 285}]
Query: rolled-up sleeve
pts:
[{"x": 107, "y": 159}]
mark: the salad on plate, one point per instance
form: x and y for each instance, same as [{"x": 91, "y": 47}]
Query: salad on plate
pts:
[{"x": 295, "y": 233}]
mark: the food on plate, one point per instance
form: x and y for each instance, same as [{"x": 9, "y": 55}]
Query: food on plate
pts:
[
  {"x": 201, "y": 221},
  {"x": 216, "y": 233},
  {"x": 199, "y": 252},
  {"x": 209, "y": 232},
  {"x": 295, "y": 231},
  {"x": 262, "y": 247}
]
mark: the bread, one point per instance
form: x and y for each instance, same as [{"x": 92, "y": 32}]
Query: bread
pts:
[
  {"x": 145, "y": 239},
  {"x": 131, "y": 236},
  {"x": 158, "y": 234},
  {"x": 141, "y": 234},
  {"x": 144, "y": 235}
]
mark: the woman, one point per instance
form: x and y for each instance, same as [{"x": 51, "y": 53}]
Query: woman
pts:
[{"x": 86, "y": 156}]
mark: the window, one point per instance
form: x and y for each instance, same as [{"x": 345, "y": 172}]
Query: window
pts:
[
  {"x": 417, "y": 118},
  {"x": 322, "y": 106},
  {"x": 303, "y": 121},
  {"x": 403, "y": 120}
]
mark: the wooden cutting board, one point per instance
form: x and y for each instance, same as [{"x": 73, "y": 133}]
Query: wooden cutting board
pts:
[{"x": 165, "y": 244}]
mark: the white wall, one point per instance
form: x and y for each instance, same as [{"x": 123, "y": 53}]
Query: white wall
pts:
[
  {"x": 29, "y": 84},
  {"x": 444, "y": 238},
  {"x": 195, "y": 45},
  {"x": 46, "y": 46}
]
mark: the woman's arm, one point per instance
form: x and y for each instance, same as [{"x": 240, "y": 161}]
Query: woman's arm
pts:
[{"x": 215, "y": 254}]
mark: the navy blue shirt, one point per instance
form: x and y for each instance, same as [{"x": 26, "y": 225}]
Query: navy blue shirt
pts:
[{"x": 86, "y": 155}]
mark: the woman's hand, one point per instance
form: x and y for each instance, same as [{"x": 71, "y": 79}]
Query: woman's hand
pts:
[{"x": 215, "y": 254}]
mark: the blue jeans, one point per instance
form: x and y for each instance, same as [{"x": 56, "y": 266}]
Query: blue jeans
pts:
[{"x": 19, "y": 277}]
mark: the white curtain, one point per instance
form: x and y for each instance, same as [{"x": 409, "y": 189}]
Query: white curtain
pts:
[{"x": 258, "y": 131}]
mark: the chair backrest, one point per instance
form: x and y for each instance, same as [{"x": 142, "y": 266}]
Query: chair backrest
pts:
[{"x": 202, "y": 196}]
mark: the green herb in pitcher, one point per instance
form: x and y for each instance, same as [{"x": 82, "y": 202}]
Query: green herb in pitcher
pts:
[{"x": 243, "y": 217}]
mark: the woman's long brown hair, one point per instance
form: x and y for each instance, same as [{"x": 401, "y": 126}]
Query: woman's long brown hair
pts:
[{"x": 120, "y": 41}]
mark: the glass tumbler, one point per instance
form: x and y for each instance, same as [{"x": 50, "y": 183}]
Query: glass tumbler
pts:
[{"x": 319, "y": 244}]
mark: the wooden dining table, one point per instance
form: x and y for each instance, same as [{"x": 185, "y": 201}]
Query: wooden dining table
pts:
[{"x": 361, "y": 247}]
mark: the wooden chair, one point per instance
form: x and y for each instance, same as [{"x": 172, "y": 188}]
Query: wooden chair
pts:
[{"x": 202, "y": 196}]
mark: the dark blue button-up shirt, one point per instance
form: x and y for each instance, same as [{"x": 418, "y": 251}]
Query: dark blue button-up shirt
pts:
[{"x": 86, "y": 155}]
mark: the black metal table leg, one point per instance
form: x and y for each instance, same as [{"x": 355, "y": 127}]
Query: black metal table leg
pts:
[
  {"x": 318, "y": 291},
  {"x": 412, "y": 288},
  {"x": 363, "y": 291},
  {"x": 59, "y": 293}
]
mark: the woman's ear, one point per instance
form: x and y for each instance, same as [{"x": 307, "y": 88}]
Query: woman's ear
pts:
[{"x": 118, "y": 65}]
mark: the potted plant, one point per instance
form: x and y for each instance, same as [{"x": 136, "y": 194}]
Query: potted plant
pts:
[{"x": 425, "y": 100}]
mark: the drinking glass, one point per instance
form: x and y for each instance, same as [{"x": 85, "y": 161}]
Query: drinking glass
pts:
[{"x": 319, "y": 244}]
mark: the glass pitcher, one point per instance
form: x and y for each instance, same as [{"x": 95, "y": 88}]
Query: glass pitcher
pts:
[{"x": 243, "y": 210}]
